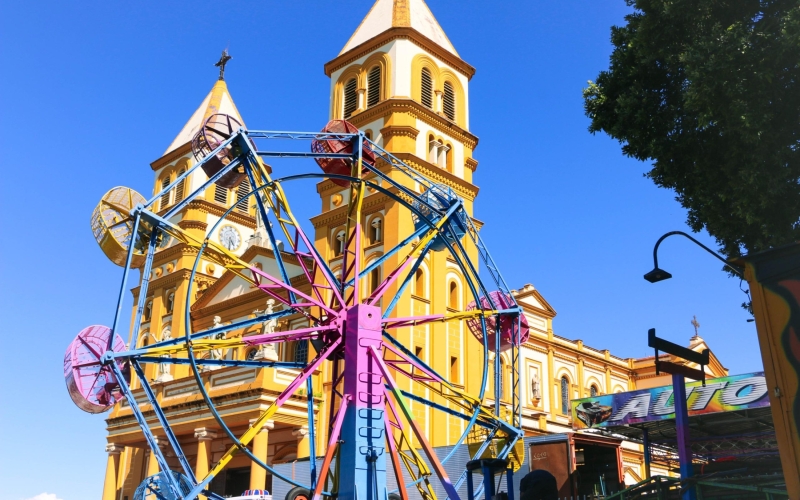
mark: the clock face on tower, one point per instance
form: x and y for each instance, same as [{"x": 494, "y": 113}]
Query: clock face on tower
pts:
[{"x": 229, "y": 237}]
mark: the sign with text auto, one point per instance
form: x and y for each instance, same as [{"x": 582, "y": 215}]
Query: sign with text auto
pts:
[{"x": 737, "y": 392}]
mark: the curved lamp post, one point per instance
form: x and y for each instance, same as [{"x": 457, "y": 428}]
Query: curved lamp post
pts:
[
  {"x": 678, "y": 381},
  {"x": 658, "y": 274}
]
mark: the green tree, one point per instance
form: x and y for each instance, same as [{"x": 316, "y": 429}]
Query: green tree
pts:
[{"x": 709, "y": 91}]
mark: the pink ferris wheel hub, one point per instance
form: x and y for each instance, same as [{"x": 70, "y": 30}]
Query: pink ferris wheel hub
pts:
[{"x": 93, "y": 386}]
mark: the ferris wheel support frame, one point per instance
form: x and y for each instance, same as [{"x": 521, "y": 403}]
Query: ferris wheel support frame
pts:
[{"x": 250, "y": 160}]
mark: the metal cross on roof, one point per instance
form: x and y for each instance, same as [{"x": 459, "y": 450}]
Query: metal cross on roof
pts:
[
  {"x": 223, "y": 60},
  {"x": 696, "y": 325}
]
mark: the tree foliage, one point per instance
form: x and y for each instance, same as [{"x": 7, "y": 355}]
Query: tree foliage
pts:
[{"x": 709, "y": 91}]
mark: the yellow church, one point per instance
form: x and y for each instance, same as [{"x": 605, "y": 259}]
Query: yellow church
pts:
[{"x": 401, "y": 81}]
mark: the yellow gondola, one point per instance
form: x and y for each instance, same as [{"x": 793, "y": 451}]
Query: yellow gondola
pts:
[{"x": 112, "y": 225}]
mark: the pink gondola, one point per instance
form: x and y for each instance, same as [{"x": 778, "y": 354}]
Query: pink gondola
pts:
[
  {"x": 92, "y": 386},
  {"x": 339, "y": 166},
  {"x": 508, "y": 323}
]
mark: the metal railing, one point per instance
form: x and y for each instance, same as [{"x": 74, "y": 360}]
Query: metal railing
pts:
[{"x": 669, "y": 488}]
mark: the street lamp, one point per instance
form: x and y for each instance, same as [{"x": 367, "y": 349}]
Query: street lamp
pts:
[
  {"x": 658, "y": 274},
  {"x": 678, "y": 372}
]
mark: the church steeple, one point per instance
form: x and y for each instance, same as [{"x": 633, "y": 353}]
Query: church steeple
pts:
[
  {"x": 400, "y": 80},
  {"x": 388, "y": 14},
  {"x": 178, "y": 158},
  {"x": 219, "y": 100}
]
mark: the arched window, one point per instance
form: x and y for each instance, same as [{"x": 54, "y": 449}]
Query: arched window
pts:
[
  {"x": 593, "y": 391},
  {"x": 426, "y": 88},
  {"x": 338, "y": 244},
  {"x": 374, "y": 86},
  {"x": 164, "y": 202},
  {"x": 143, "y": 340},
  {"x": 375, "y": 231},
  {"x": 374, "y": 279},
  {"x": 148, "y": 310},
  {"x": 350, "y": 97},
  {"x": 180, "y": 187},
  {"x": 368, "y": 134},
  {"x": 220, "y": 194},
  {"x": 419, "y": 283},
  {"x": 452, "y": 297},
  {"x": 564, "y": 396},
  {"x": 170, "y": 303},
  {"x": 449, "y": 101},
  {"x": 301, "y": 351},
  {"x": 241, "y": 195}
]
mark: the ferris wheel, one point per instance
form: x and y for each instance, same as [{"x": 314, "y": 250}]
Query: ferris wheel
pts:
[{"x": 370, "y": 430}]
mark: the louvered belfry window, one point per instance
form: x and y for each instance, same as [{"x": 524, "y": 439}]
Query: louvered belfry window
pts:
[
  {"x": 179, "y": 188},
  {"x": 427, "y": 88},
  {"x": 449, "y": 101},
  {"x": 241, "y": 195},
  {"x": 374, "y": 86},
  {"x": 220, "y": 194},
  {"x": 165, "y": 196},
  {"x": 350, "y": 97}
]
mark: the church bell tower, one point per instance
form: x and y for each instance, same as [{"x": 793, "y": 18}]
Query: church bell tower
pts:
[{"x": 401, "y": 81}]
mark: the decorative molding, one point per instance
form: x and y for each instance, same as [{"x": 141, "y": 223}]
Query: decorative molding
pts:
[
  {"x": 114, "y": 449},
  {"x": 437, "y": 174},
  {"x": 161, "y": 441},
  {"x": 268, "y": 425},
  {"x": 301, "y": 432},
  {"x": 373, "y": 203},
  {"x": 403, "y": 33},
  {"x": 123, "y": 424},
  {"x": 192, "y": 224},
  {"x": 416, "y": 110},
  {"x": 399, "y": 131},
  {"x": 471, "y": 163},
  {"x": 201, "y": 310},
  {"x": 248, "y": 256},
  {"x": 171, "y": 156},
  {"x": 205, "y": 434},
  {"x": 169, "y": 280},
  {"x": 205, "y": 206}
]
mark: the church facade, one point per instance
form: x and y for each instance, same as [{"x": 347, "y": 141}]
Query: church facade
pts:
[{"x": 400, "y": 80}]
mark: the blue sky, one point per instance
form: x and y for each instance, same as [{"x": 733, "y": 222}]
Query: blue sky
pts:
[{"x": 92, "y": 92}]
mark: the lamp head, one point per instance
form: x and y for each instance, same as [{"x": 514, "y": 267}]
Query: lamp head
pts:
[{"x": 656, "y": 275}]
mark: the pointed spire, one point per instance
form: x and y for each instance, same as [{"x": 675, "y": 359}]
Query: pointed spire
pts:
[
  {"x": 387, "y": 14},
  {"x": 219, "y": 100}
]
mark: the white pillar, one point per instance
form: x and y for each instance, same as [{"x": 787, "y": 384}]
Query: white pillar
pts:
[
  {"x": 362, "y": 99},
  {"x": 442, "y": 162}
]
